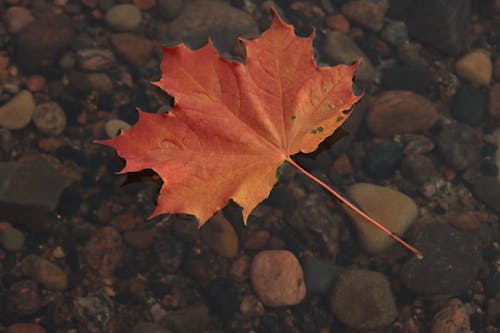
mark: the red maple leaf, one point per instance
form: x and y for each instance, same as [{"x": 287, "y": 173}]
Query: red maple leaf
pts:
[{"x": 234, "y": 124}]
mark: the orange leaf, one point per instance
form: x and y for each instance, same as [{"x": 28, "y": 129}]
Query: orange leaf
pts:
[{"x": 234, "y": 124}]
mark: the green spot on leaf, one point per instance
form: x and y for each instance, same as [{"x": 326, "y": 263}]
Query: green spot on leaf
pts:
[{"x": 329, "y": 106}]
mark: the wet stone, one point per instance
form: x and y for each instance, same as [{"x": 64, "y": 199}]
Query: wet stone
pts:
[
  {"x": 453, "y": 318},
  {"x": 95, "y": 60},
  {"x": 494, "y": 102},
  {"x": 23, "y": 298},
  {"x": 487, "y": 189},
  {"x": 320, "y": 275},
  {"x": 149, "y": 328},
  {"x": 104, "y": 252},
  {"x": 367, "y": 13},
  {"x": 170, "y": 9},
  {"x": 25, "y": 328},
  {"x": 469, "y": 105},
  {"x": 451, "y": 261},
  {"x": 191, "y": 319},
  {"x": 16, "y": 18},
  {"x": 459, "y": 145},
  {"x": 417, "y": 168},
  {"x": 383, "y": 159},
  {"x": 220, "y": 236},
  {"x": 12, "y": 239},
  {"x": 45, "y": 272},
  {"x": 476, "y": 67},
  {"x": 395, "y": 32},
  {"x": 93, "y": 313},
  {"x": 170, "y": 253},
  {"x": 49, "y": 118},
  {"x": 123, "y": 17},
  {"x": 363, "y": 300},
  {"x": 222, "y": 296},
  {"x": 17, "y": 112},
  {"x": 138, "y": 55},
  {"x": 407, "y": 77}
]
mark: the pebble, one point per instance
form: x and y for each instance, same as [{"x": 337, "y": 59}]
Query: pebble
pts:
[
  {"x": 463, "y": 221},
  {"x": 320, "y": 275},
  {"x": 12, "y": 239},
  {"x": 414, "y": 78},
  {"x": 363, "y": 300},
  {"x": 394, "y": 210},
  {"x": 220, "y": 236},
  {"x": 340, "y": 49},
  {"x": 400, "y": 112},
  {"x": 123, "y": 17},
  {"x": 338, "y": 22},
  {"x": 417, "y": 168},
  {"x": 104, "y": 252},
  {"x": 222, "y": 297},
  {"x": 451, "y": 261},
  {"x": 496, "y": 69},
  {"x": 453, "y": 318},
  {"x": 41, "y": 43},
  {"x": 23, "y": 298},
  {"x": 93, "y": 313},
  {"x": 145, "y": 4},
  {"x": 149, "y": 328},
  {"x": 277, "y": 278},
  {"x": 113, "y": 127},
  {"x": 257, "y": 240},
  {"x": 442, "y": 24},
  {"x": 367, "y": 13},
  {"x": 192, "y": 318},
  {"x": 25, "y": 328},
  {"x": 16, "y": 18},
  {"x": 86, "y": 83},
  {"x": 17, "y": 112},
  {"x": 395, "y": 33},
  {"x": 487, "y": 189},
  {"x": 49, "y": 118},
  {"x": 460, "y": 146},
  {"x": 476, "y": 67},
  {"x": 170, "y": 9},
  {"x": 494, "y": 104},
  {"x": 251, "y": 306},
  {"x": 45, "y": 272},
  {"x": 35, "y": 83},
  {"x": 416, "y": 144},
  {"x": 383, "y": 159},
  {"x": 137, "y": 56},
  {"x": 342, "y": 165},
  {"x": 240, "y": 268},
  {"x": 469, "y": 105},
  {"x": 95, "y": 60},
  {"x": 139, "y": 239}
]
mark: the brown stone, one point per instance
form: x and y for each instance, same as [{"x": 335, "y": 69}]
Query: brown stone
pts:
[
  {"x": 451, "y": 319},
  {"x": 257, "y": 240},
  {"x": 25, "y": 328},
  {"x": 367, "y": 13},
  {"x": 104, "y": 251},
  {"x": 133, "y": 49},
  {"x": 400, "y": 112},
  {"x": 494, "y": 106},
  {"x": 139, "y": 239}
]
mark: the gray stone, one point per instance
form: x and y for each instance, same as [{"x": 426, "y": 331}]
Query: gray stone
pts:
[
  {"x": 487, "y": 189},
  {"x": 320, "y": 275},
  {"x": 460, "y": 146},
  {"x": 123, "y": 17},
  {"x": 469, "y": 105},
  {"x": 451, "y": 261},
  {"x": 12, "y": 239},
  {"x": 395, "y": 33}
]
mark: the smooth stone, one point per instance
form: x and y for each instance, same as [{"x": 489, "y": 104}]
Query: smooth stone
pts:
[
  {"x": 487, "y": 189},
  {"x": 469, "y": 105},
  {"x": 45, "y": 272},
  {"x": 149, "y": 328},
  {"x": 123, "y": 17},
  {"x": 17, "y": 112},
  {"x": 320, "y": 275},
  {"x": 383, "y": 159},
  {"x": 12, "y": 239},
  {"x": 395, "y": 33},
  {"x": 88, "y": 82},
  {"x": 418, "y": 168},
  {"x": 340, "y": 49},
  {"x": 400, "y": 112},
  {"x": 476, "y": 67},
  {"x": 137, "y": 56},
  {"x": 104, "y": 252},
  {"x": 114, "y": 126},
  {"x": 417, "y": 144},
  {"x": 363, "y": 300},
  {"x": 190, "y": 319},
  {"x": 277, "y": 278},
  {"x": 443, "y": 24},
  {"x": 139, "y": 239},
  {"x": 367, "y": 13},
  {"x": 450, "y": 265},
  {"x": 403, "y": 77},
  {"x": 394, "y": 210},
  {"x": 496, "y": 69},
  {"x": 453, "y": 318},
  {"x": 220, "y": 236},
  {"x": 95, "y": 60},
  {"x": 49, "y": 118},
  {"x": 222, "y": 296},
  {"x": 25, "y": 328},
  {"x": 494, "y": 102},
  {"x": 23, "y": 298},
  {"x": 35, "y": 180},
  {"x": 16, "y": 18},
  {"x": 460, "y": 146},
  {"x": 170, "y": 9}
]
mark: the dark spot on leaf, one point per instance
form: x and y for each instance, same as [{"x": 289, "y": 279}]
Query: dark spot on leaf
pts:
[
  {"x": 294, "y": 117},
  {"x": 329, "y": 106},
  {"x": 347, "y": 111},
  {"x": 340, "y": 118},
  {"x": 314, "y": 131},
  {"x": 320, "y": 129}
]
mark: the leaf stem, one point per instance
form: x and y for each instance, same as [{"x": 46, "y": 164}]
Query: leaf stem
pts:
[{"x": 419, "y": 254}]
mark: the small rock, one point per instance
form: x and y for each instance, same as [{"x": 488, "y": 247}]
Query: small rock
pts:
[
  {"x": 417, "y": 168},
  {"x": 383, "y": 159},
  {"x": 320, "y": 275},
  {"x": 395, "y": 33},
  {"x": 496, "y": 69},
  {"x": 16, "y": 18},
  {"x": 25, "y": 328},
  {"x": 416, "y": 144},
  {"x": 123, "y": 17},
  {"x": 49, "y": 118},
  {"x": 223, "y": 298},
  {"x": 145, "y": 4},
  {"x": 191, "y": 319},
  {"x": 277, "y": 278},
  {"x": 42, "y": 42},
  {"x": 103, "y": 253},
  {"x": 149, "y": 328},
  {"x": 93, "y": 313},
  {"x": 466, "y": 222},
  {"x": 94, "y": 60},
  {"x": 257, "y": 240},
  {"x": 476, "y": 67},
  {"x": 23, "y": 298},
  {"x": 460, "y": 146},
  {"x": 367, "y": 13},
  {"x": 340, "y": 49},
  {"x": 45, "y": 272},
  {"x": 251, "y": 306},
  {"x": 170, "y": 9},
  {"x": 170, "y": 253},
  {"x": 139, "y": 239},
  {"x": 87, "y": 83},
  {"x": 363, "y": 300},
  {"x": 240, "y": 269},
  {"x": 487, "y": 189},
  {"x": 415, "y": 78},
  {"x": 453, "y": 318},
  {"x": 469, "y": 105},
  {"x": 400, "y": 112},
  {"x": 17, "y": 112},
  {"x": 35, "y": 83},
  {"x": 394, "y": 210},
  {"x": 451, "y": 261},
  {"x": 220, "y": 236},
  {"x": 342, "y": 165},
  {"x": 12, "y": 239},
  {"x": 113, "y": 127},
  {"x": 494, "y": 105},
  {"x": 138, "y": 55},
  {"x": 58, "y": 252},
  {"x": 338, "y": 22}
]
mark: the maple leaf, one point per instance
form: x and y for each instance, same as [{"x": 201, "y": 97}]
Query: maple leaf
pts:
[{"x": 233, "y": 124}]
